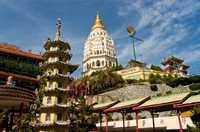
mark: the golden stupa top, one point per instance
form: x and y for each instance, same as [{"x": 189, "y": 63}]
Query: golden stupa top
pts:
[{"x": 98, "y": 25}]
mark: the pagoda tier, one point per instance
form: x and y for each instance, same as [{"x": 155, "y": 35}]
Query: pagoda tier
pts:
[{"x": 57, "y": 70}]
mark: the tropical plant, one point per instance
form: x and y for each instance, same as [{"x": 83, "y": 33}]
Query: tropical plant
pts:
[
  {"x": 81, "y": 116},
  {"x": 195, "y": 119}
]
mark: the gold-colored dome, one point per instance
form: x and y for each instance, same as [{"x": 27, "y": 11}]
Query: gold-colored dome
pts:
[{"x": 98, "y": 25}]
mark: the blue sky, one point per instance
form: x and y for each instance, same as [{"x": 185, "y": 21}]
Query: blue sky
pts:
[{"x": 166, "y": 26}]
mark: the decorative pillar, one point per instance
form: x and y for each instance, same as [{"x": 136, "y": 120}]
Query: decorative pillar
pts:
[
  {"x": 20, "y": 113},
  {"x": 152, "y": 115},
  {"x": 100, "y": 121},
  {"x": 122, "y": 112},
  {"x": 106, "y": 122},
  {"x": 179, "y": 120},
  {"x": 11, "y": 118},
  {"x": 136, "y": 119}
]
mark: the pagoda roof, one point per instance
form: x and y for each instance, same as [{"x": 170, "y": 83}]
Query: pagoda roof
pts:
[
  {"x": 14, "y": 50},
  {"x": 134, "y": 63},
  {"x": 54, "y": 106},
  {"x": 171, "y": 58}
]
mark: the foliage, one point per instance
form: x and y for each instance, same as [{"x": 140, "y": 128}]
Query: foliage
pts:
[
  {"x": 168, "y": 92},
  {"x": 117, "y": 68},
  {"x": 194, "y": 86},
  {"x": 152, "y": 78},
  {"x": 195, "y": 119},
  {"x": 174, "y": 82},
  {"x": 24, "y": 121},
  {"x": 159, "y": 94},
  {"x": 130, "y": 81},
  {"x": 81, "y": 116},
  {"x": 25, "y": 69},
  {"x": 154, "y": 88},
  {"x": 195, "y": 79},
  {"x": 4, "y": 118},
  {"x": 157, "y": 68},
  {"x": 103, "y": 80}
]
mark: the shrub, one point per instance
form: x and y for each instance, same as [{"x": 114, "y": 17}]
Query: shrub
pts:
[
  {"x": 194, "y": 86},
  {"x": 130, "y": 81},
  {"x": 195, "y": 79},
  {"x": 168, "y": 92},
  {"x": 159, "y": 94},
  {"x": 183, "y": 81},
  {"x": 171, "y": 83},
  {"x": 152, "y": 78},
  {"x": 194, "y": 93},
  {"x": 154, "y": 88},
  {"x": 119, "y": 85}
]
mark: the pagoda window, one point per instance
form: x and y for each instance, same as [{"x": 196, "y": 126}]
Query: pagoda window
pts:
[
  {"x": 102, "y": 43},
  {"x": 93, "y": 64},
  {"x": 102, "y": 63},
  {"x": 53, "y": 59},
  {"x": 53, "y": 48},
  {"x": 59, "y": 117},
  {"x": 49, "y": 100},
  {"x": 59, "y": 100},
  {"x": 60, "y": 48},
  {"x": 110, "y": 64},
  {"x": 59, "y": 84},
  {"x": 98, "y": 63},
  {"x": 60, "y": 71},
  {"x": 100, "y": 52},
  {"x": 60, "y": 58},
  {"x": 47, "y": 118},
  {"x": 97, "y": 52},
  {"x": 50, "y": 84}
]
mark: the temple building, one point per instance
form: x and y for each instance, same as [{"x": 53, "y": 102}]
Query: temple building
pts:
[
  {"x": 17, "y": 84},
  {"x": 99, "y": 49},
  {"x": 57, "y": 68},
  {"x": 175, "y": 65}
]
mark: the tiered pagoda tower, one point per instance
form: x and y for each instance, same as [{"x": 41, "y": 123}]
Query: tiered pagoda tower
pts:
[
  {"x": 99, "y": 50},
  {"x": 175, "y": 65},
  {"x": 57, "y": 69}
]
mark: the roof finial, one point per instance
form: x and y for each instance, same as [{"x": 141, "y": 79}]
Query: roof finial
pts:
[
  {"x": 98, "y": 25},
  {"x": 58, "y": 30}
]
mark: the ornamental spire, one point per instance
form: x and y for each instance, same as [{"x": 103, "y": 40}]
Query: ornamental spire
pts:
[
  {"x": 58, "y": 30},
  {"x": 98, "y": 25}
]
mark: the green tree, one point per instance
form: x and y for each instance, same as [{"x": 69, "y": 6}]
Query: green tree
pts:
[
  {"x": 152, "y": 78},
  {"x": 195, "y": 119},
  {"x": 81, "y": 116}
]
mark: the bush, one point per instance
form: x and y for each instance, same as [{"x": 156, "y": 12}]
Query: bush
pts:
[
  {"x": 154, "y": 88},
  {"x": 183, "y": 81},
  {"x": 171, "y": 83},
  {"x": 168, "y": 92},
  {"x": 194, "y": 93},
  {"x": 130, "y": 81},
  {"x": 195, "y": 79},
  {"x": 119, "y": 85},
  {"x": 194, "y": 87},
  {"x": 159, "y": 94}
]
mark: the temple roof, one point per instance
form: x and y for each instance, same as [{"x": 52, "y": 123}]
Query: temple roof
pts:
[
  {"x": 98, "y": 25},
  {"x": 14, "y": 50},
  {"x": 171, "y": 58}
]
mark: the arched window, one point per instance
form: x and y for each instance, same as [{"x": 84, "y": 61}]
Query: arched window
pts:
[
  {"x": 59, "y": 117},
  {"x": 110, "y": 64},
  {"x": 59, "y": 100},
  {"x": 100, "y": 52},
  {"x": 50, "y": 84},
  {"x": 49, "y": 100},
  {"x": 47, "y": 118},
  {"x": 60, "y": 58},
  {"x": 98, "y": 63},
  {"x": 97, "y": 52},
  {"x": 59, "y": 84},
  {"x": 102, "y": 63},
  {"x": 93, "y": 64},
  {"x": 60, "y": 71}
]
